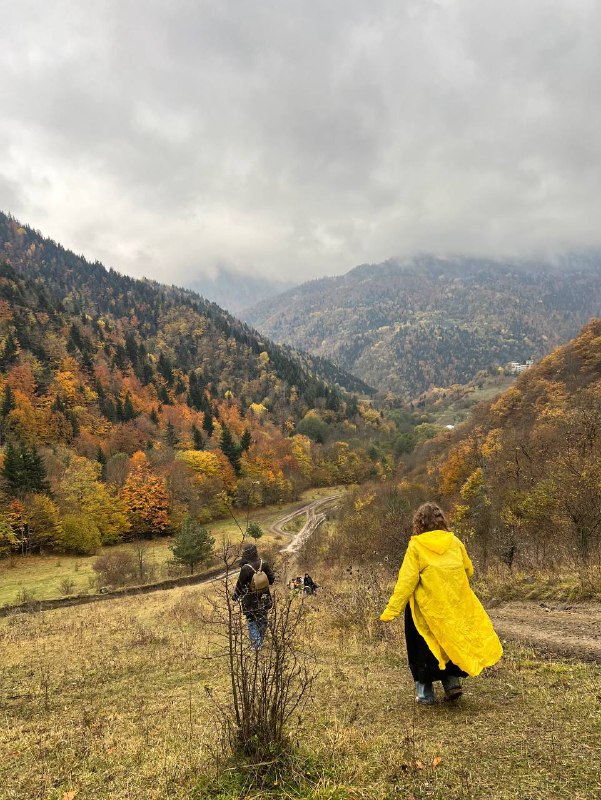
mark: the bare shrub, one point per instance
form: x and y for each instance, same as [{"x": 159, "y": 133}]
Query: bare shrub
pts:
[
  {"x": 67, "y": 586},
  {"x": 26, "y": 595},
  {"x": 146, "y": 570},
  {"x": 116, "y": 568},
  {"x": 266, "y": 686}
]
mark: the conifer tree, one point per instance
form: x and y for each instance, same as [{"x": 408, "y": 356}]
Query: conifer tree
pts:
[
  {"x": 101, "y": 459},
  {"x": 197, "y": 440},
  {"x": 192, "y": 544},
  {"x": 254, "y": 530},
  {"x": 229, "y": 447},
  {"x": 24, "y": 471},
  {"x": 207, "y": 424},
  {"x": 11, "y": 350},
  {"x": 171, "y": 437},
  {"x": 245, "y": 441},
  {"x": 12, "y": 469},
  {"x": 8, "y": 403},
  {"x": 129, "y": 412}
]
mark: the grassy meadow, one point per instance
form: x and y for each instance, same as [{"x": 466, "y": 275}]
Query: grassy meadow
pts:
[
  {"x": 42, "y": 577},
  {"x": 108, "y": 702}
]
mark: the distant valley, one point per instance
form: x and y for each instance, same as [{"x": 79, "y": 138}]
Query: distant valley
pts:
[{"x": 429, "y": 322}]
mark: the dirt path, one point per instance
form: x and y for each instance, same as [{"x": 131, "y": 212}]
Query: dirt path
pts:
[
  {"x": 315, "y": 516},
  {"x": 571, "y": 631}
]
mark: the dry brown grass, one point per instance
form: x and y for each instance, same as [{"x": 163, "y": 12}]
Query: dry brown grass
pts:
[
  {"x": 578, "y": 583},
  {"x": 108, "y": 701}
]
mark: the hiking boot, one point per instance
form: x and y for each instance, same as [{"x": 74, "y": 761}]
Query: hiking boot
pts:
[
  {"x": 424, "y": 694},
  {"x": 452, "y": 688}
]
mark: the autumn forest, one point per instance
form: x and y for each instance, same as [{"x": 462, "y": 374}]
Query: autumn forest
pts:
[{"x": 126, "y": 406}]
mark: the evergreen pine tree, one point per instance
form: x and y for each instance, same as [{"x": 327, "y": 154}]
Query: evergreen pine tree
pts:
[
  {"x": 11, "y": 350},
  {"x": 147, "y": 374},
  {"x": 129, "y": 412},
  {"x": 254, "y": 530},
  {"x": 229, "y": 447},
  {"x": 154, "y": 417},
  {"x": 101, "y": 459},
  {"x": 171, "y": 437},
  {"x": 192, "y": 545},
  {"x": 8, "y": 402},
  {"x": 165, "y": 368},
  {"x": 12, "y": 469},
  {"x": 197, "y": 440},
  {"x": 207, "y": 424},
  {"x": 23, "y": 471},
  {"x": 36, "y": 477},
  {"x": 245, "y": 441}
]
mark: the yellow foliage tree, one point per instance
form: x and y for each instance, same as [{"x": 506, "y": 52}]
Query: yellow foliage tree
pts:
[{"x": 82, "y": 493}]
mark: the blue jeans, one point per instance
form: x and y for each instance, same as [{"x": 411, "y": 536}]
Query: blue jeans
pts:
[{"x": 257, "y": 628}]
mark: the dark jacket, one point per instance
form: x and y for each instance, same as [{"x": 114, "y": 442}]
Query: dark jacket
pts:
[
  {"x": 253, "y": 605},
  {"x": 309, "y": 583}
]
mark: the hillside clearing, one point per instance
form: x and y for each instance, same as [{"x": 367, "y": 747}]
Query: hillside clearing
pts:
[{"x": 109, "y": 701}]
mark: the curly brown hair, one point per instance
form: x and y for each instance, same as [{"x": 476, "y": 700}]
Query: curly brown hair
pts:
[{"x": 429, "y": 517}]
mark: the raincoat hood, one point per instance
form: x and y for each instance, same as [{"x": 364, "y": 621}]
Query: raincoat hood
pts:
[{"x": 437, "y": 541}]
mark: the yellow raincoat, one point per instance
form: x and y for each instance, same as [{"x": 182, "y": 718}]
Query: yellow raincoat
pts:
[{"x": 434, "y": 580}]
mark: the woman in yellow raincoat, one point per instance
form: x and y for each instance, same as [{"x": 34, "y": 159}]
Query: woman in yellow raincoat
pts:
[{"x": 448, "y": 632}]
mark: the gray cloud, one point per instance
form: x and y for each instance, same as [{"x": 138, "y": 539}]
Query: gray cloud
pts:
[{"x": 301, "y": 138}]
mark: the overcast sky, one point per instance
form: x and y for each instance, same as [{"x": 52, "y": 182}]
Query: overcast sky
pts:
[{"x": 168, "y": 137}]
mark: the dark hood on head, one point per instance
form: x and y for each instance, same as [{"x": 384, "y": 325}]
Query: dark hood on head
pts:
[{"x": 250, "y": 555}]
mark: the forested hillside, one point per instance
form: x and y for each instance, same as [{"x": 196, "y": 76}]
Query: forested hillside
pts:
[
  {"x": 406, "y": 327},
  {"x": 125, "y": 405},
  {"x": 521, "y": 479}
]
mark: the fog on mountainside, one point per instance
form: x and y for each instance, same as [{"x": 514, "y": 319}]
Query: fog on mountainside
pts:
[
  {"x": 236, "y": 291},
  {"x": 429, "y": 321}
]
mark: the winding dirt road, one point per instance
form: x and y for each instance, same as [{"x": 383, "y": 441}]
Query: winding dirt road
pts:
[{"x": 315, "y": 516}]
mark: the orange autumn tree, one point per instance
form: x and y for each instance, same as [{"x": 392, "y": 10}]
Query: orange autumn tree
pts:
[{"x": 146, "y": 501}]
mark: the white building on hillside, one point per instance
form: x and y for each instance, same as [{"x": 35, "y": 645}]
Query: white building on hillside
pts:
[{"x": 516, "y": 368}]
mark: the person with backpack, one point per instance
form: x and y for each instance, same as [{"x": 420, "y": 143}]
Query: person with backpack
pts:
[
  {"x": 310, "y": 587},
  {"x": 252, "y": 590},
  {"x": 448, "y": 633}
]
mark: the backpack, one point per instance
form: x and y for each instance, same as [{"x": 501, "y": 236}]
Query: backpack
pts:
[{"x": 259, "y": 583}]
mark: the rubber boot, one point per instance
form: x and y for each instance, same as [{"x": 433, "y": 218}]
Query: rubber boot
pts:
[
  {"x": 424, "y": 693},
  {"x": 452, "y": 688}
]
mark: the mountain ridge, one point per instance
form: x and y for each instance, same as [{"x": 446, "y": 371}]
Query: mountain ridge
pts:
[
  {"x": 431, "y": 321},
  {"x": 43, "y": 259}
]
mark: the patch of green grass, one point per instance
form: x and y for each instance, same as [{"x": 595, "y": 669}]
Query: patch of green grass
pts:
[
  {"x": 43, "y": 577},
  {"x": 295, "y": 524}
]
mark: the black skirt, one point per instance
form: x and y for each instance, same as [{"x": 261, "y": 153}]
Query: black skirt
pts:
[{"x": 422, "y": 663}]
